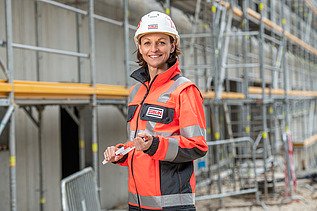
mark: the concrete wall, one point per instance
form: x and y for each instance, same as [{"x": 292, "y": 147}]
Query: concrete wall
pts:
[{"x": 57, "y": 29}]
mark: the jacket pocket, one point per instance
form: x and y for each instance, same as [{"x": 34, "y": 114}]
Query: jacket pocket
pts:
[
  {"x": 156, "y": 113},
  {"x": 131, "y": 112}
]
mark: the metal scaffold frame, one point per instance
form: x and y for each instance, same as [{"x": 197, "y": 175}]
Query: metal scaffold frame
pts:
[
  {"x": 268, "y": 97},
  {"x": 40, "y": 104},
  {"x": 260, "y": 107}
]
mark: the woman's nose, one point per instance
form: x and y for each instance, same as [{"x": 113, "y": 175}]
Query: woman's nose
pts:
[{"x": 154, "y": 48}]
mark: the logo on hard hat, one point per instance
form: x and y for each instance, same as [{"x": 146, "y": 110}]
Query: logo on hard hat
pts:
[
  {"x": 153, "y": 26},
  {"x": 139, "y": 24}
]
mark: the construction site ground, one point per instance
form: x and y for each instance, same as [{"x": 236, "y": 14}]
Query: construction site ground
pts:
[{"x": 304, "y": 199}]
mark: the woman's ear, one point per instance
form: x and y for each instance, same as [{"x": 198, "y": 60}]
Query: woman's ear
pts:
[
  {"x": 139, "y": 48},
  {"x": 173, "y": 48}
]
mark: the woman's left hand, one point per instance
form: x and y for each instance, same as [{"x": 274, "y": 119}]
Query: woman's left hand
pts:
[{"x": 143, "y": 141}]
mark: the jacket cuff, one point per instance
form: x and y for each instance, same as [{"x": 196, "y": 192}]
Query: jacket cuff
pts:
[
  {"x": 122, "y": 159},
  {"x": 154, "y": 146}
]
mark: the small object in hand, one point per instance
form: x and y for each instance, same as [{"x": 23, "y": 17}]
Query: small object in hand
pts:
[{"x": 121, "y": 151}]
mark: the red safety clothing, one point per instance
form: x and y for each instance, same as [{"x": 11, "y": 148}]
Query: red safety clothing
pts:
[{"x": 170, "y": 108}]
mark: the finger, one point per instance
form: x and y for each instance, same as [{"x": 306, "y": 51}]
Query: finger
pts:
[
  {"x": 140, "y": 142},
  {"x": 106, "y": 153},
  {"x": 143, "y": 136},
  {"x": 112, "y": 151},
  {"x": 118, "y": 157},
  {"x": 109, "y": 152}
]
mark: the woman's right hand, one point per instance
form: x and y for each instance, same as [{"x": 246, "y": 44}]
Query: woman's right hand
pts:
[{"x": 110, "y": 154}]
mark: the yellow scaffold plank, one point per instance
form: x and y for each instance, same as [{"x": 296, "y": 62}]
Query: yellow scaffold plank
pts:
[
  {"x": 55, "y": 90},
  {"x": 295, "y": 93},
  {"x": 224, "y": 95},
  {"x": 307, "y": 142}
]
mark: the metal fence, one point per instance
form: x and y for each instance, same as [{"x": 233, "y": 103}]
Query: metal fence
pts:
[
  {"x": 228, "y": 169},
  {"x": 79, "y": 192}
]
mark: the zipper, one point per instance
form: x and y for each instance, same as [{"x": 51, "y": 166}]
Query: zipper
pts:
[
  {"x": 146, "y": 94},
  {"x": 136, "y": 129}
]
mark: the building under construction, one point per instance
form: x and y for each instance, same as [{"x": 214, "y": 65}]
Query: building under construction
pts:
[{"x": 64, "y": 81}]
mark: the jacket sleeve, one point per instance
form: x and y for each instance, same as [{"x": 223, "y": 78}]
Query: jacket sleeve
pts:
[
  {"x": 190, "y": 144},
  {"x": 124, "y": 160}
]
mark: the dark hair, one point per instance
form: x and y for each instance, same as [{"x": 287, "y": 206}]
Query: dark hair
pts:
[{"x": 171, "y": 60}]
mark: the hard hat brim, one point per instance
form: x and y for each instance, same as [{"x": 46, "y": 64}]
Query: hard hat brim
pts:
[{"x": 138, "y": 37}]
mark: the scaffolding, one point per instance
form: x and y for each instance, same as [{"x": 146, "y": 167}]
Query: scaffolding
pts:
[{"x": 255, "y": 62}]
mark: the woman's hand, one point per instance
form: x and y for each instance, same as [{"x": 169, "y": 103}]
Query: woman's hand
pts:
[
  {"x": 110, "y": 154},
  {"x": 143, "y": 141}
]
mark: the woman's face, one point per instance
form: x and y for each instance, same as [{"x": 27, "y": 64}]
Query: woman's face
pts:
[{"x": 155, "y": 49}]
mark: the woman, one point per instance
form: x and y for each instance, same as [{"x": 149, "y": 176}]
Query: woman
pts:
[{"x": 166, "y": 123}]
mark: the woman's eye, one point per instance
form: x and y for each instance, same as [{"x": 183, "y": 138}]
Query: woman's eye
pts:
[
  {"x": 146, "y": 43},
  {"x": 162, "y": 43}
]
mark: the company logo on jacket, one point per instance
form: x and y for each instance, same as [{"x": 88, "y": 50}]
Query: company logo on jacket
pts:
[{"x": 155, "y": 112}]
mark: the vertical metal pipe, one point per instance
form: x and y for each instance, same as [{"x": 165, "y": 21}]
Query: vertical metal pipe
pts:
[
  {"x": 245, "y": 83},
  {"x": 262, "y": 76},
  {"x": 12, "y": 141},
  {"x": 183, "y": 59},
  {"x": 78, "y": 40},
  {"x": 12, "y": 151},
  {"x": 81, "y": 119},
  {"x": 206, "y": 75},
  {"x": 272, "y": 129},
  {"x": 224, "y": 53},
  {"x": 42, "y": 199},
  {"x": 196, "y": 18},
  {"x": 92, "y": 44},
  {"x": 254, "y": 171},
  {"x": 126, "y": 41},
  {"x": 218, "y": 149},
  {"x": 286, "y": 102},
  {"x": 168, "y": 7},
  {"x": 196, "y": 70},
  {"x": 215, "y": 57},
  {"x": 37, "y": 30}
]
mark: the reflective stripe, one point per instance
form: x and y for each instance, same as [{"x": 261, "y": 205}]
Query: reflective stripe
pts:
[
  {"x": 128, "y": 130},
  {"x": 150, "y": 125},
  {"x": 166, "y": 95},
  {"x": 172, "y": 149},
  {"x": 134, "y": 91},
  {"x": 163, "y": 201},
  {"x": 193, "y": 131},
  {"x": 133, "y": 198},
  {"x": 131, "y": 136},
  {"x": 150, "y": 130},
  {"x": 164, "y": 134},
  {"x": 132, "y": 133}
]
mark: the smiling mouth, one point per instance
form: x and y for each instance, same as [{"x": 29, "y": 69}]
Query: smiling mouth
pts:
[{"x": 154, "y": 56}]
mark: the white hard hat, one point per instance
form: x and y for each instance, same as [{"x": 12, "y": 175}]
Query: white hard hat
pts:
[{"x": 156, "y": 22}]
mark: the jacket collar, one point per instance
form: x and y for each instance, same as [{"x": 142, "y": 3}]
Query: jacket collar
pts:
[{"x": 142, "y": 74}]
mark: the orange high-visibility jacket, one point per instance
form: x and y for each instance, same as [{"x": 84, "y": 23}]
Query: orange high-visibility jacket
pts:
[{"x": 170, "y": 108}]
